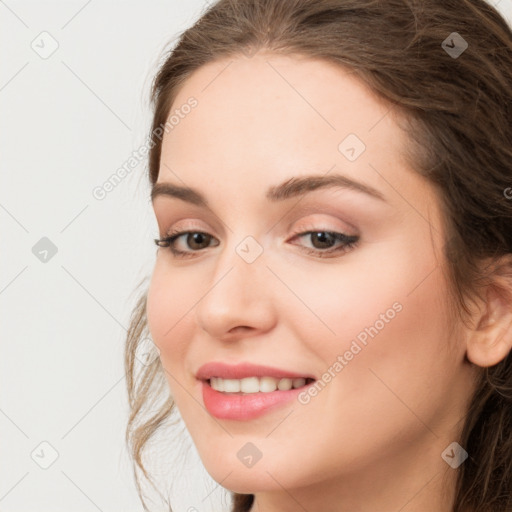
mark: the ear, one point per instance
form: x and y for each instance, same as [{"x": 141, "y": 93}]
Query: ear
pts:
[{"x": 491, "y": 340}]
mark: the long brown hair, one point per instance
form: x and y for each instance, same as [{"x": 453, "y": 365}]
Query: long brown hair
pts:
[{"x": 457, "y": 110}]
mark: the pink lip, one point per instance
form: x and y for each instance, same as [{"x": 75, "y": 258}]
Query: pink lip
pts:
[
  {"x": 242, "y": 370},
  {"x": 238, "y": 406},
  {"x": 241, "y": 406}
]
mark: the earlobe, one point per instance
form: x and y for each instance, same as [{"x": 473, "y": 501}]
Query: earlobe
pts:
[{"x": 491, "y": 340}]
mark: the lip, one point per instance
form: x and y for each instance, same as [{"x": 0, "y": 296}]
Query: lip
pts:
[
  {"x": 243, "y": 370},
  {"x": 242, "y": 406}
]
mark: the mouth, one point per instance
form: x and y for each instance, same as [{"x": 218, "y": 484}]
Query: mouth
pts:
[
  {"x": 245, "y": 391},
  {"x": 254, "y": 384}
]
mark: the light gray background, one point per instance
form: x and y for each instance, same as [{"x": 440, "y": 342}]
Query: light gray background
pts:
[{"x": 67, "y": 123}]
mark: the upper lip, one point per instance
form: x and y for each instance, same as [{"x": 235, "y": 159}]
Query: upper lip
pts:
[{"x": 242, "y": 370}]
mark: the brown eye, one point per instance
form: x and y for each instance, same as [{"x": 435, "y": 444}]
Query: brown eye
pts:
[
  {"x": 194, "y": 241},
  {"x": 322, "y": 239},
  {"x": 327, "y": 243},
  {"x": 198, "y": 240}
]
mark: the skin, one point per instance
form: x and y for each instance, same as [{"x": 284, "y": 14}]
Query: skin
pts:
[{"x": 372, "y": 439}]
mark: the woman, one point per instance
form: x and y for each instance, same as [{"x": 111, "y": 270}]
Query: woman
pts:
[{"x": 332, "y": 293}]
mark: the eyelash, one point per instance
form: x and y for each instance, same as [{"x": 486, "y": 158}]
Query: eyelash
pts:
[{"x": 349, "y": 242}]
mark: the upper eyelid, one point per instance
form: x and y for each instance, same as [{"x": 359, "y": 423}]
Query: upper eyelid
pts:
[
  {"x": 309, "y": 203},
  {"x": 302, "y": 211},
  {"x": 178, "y": 232}
]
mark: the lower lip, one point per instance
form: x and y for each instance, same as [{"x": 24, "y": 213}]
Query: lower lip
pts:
[{"x": 245, "y": 407}]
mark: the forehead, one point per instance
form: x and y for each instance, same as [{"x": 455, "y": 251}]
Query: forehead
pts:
[
  {"x": 272, "y": 106},
  {"x": 262, "y": 120}
]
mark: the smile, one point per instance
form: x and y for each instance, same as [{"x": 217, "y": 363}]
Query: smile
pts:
[{"x": 250, "y": 385}]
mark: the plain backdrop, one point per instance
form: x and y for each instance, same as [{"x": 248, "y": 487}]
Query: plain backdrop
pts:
[{"x": 74, "y": 88}]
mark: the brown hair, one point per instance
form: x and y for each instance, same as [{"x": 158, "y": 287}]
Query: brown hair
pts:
[{"x": 457, "y": 111}]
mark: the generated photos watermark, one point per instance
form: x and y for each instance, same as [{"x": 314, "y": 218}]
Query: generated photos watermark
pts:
[
  {"x": 101, "y": 191},
  {"x": 355, "y": 348}
]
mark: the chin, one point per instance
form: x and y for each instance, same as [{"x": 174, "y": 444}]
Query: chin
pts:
[{"x": 247, "y": 481}]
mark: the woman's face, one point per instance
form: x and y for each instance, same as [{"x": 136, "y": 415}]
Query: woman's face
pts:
[{"x": 369, "y": 321}]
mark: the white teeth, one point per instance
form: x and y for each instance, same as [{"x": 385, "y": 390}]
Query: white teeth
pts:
[
  {"x": 268, "y": 384},
  {"x": 285, "y": 384},
  {"x": 231, "y": 385},
  {"x": 217, "y": 384},
  {"x": 255, "y": 384},
  {"x": 298, "y": 383},
  {"x": 250, "y": 385}
]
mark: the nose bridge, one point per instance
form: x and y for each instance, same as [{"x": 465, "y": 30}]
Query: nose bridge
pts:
[
  {"x": 242, "y": 263},
  {"x": 239, "y": 292}
]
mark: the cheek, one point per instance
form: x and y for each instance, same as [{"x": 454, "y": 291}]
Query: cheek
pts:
[
  {"x": 169, "y": 312},
  {"x": 168, "y": 302},
  {"x": 381, "y": 287},
  {"x": 388, "y": 321}
]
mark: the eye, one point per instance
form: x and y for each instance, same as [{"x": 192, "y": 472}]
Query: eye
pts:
[
  {"x": 323, "y": 241},
  {"x": 196, "y": 240}
]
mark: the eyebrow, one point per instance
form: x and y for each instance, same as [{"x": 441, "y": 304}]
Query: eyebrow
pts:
[{"x": 296, "y": 186}]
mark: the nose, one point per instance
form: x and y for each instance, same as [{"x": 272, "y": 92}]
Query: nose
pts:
[{"x": 239, "y": 299}]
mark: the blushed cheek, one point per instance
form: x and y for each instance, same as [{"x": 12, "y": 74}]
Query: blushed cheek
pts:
[
  {"x": 381, "y": 319},
  {"x": 400, "y": 369},
  {"x": 170, "y": 316},
  {"x": 170, "y": 320},
  {"x": 165, "y": 308},
  {"x": 359, "y": 306},
  {"x": 407, "y": 356}
]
